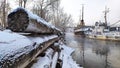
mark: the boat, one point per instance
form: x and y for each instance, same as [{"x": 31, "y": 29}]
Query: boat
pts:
[
  {"x": 102, "y": 31},
  {"x": 79, "y": 30}
]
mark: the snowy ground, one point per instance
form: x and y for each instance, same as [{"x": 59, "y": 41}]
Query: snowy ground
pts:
[{"x": 68, "y": 62}]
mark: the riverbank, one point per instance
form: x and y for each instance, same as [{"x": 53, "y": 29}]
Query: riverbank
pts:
[{"x": 18, "y": 51}]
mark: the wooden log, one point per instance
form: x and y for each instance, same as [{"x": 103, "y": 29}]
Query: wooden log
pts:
[
  {"x": 21, "y": 20},
  {"x": 54, "y": 60},
  {"x": 18, "y": 21},
  {"x": 20, "y": 59}
]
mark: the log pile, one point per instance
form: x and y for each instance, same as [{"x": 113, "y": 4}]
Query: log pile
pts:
[{"x": 21, "y": 20}]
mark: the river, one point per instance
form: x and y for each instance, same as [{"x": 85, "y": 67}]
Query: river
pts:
[{"x": 91, "y": 53}]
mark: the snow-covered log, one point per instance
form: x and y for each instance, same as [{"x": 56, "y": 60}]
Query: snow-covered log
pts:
[
  {"x": 44, "y": 62},
  {"x": 54, "y": 61},
  {"x": 22, "y": 20},
  {"x": 17, "y": 51}
]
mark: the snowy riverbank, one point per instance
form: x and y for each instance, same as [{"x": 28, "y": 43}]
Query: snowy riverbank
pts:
[
  {"x": 65, "y": 56},
  {"x": 13, "y": 45}
]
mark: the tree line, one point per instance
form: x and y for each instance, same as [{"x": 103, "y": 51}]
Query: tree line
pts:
[{"x": 49, "y": 10}]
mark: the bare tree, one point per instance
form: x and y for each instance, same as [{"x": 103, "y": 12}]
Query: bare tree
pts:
[
  {"x": 44, "y": 8},
  {"x": 63, "y": 20},
  {"x": 51, "y": 11},
  {"x": 22, "y": 3},
  {"x": 4, "y": 13},
  {"x": 4, "y": 8}
]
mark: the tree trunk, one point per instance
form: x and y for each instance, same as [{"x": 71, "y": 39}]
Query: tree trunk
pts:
[{"x": 4, "y": 14}]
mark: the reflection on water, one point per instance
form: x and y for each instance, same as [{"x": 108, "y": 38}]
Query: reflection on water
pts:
[{"x": 94, "y": 53}]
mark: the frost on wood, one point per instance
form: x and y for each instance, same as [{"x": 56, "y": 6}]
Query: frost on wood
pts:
[
  {"x": 42, "y": 39},
  {"x": 13, "y": 46},
  {"x": 44, "y": 62},
  {"x": 17, "y": 50},
  {"x": 54, "y": 61},
  {"x": 22, "y": 20},
  {"x": 65, "y": 56}
]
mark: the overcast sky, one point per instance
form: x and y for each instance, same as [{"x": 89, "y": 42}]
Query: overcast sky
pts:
[{"x": 93, "y": 10}]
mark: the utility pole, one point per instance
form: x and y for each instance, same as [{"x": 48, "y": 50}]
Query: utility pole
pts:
[{"x": 105, "y": 15}]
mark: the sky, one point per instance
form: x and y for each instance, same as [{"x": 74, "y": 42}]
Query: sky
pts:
[{"x": 93, "y": 10}]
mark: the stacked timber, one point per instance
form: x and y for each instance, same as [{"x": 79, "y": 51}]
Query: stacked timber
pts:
[
  {"x": 18, "y": 51},
  {"x": 21, "y": 20}
]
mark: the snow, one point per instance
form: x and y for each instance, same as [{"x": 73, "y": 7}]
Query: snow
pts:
[
  {"x": 54, "y": 61},
  {"x": 65, "y": 55},
  {"x": 44, "y": 62},
  {"x": 7, "y": 30},
  {"x": 13, "y": 44},
  {"x": 40, "y": 40},
  {"x": 13, "y": 38},
  {"x": 50, "y": 62}
]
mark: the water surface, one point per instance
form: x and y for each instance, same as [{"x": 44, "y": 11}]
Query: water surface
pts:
[{"x": 94, "y": 53}]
